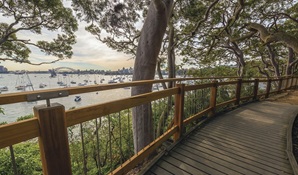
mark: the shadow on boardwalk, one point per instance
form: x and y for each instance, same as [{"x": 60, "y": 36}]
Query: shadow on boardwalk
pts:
[{"x": 247, "y": 140}]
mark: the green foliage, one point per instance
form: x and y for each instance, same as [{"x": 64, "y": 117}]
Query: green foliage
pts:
[
  {"x": 1, "y": 110},
  {"x": 215, "y": 71},
  {"x": 114, "y": 23},
  {"x": 107, "y": 143},
  {"x": 25, "y": 117},
  {"x": 27, "y": 159},
  {"x": 35, "y": 17}
]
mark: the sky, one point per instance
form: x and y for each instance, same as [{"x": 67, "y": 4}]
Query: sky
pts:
[{"x": 88, "y": 53}]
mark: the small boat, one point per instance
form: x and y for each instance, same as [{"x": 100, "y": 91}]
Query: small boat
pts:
[
  {"x": 82, "y": 84},
  {"x": 112, "y": 81},
  {"x": 3, "y": 88},
  {"x": 42, "y": 85},
  {"x": 20, "y": 87},
  {"x": 77, "y": 98}
]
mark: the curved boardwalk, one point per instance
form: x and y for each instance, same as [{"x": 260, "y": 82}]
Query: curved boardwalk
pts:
[{"x": 248, "y": 140}]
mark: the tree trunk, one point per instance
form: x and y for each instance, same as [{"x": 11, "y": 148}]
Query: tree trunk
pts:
[
  {"x": 273, "y": 61},
  {"x": 144, "y": 68},
  {"x": 164, "y": 86},
  {"x": 290, "y": 61},
  {"x": 171, "y": 55}
]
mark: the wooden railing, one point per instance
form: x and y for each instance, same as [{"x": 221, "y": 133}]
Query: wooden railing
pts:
[{"x": 51, "y": 120}]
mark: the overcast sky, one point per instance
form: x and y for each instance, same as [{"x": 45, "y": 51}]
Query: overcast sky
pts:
[{"x": 88, "y": 53}]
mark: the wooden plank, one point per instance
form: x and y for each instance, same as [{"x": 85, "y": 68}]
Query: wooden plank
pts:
[
  {"x": 253, "y": 164},
  {"x": 145, "y": 152},
  {"x": 209, "y": 166},
  {"x": 185, "y": 164},
  {"x": 221, "y": 160},
  {"x": 22, "y": 96},
  {"x": 227, "y": 83},
  {"x": 172, "y": 168},
  {"x": 213, "y": 97},
  {"x": 53, "y": 139},
  {"x": 158, "y": 170},
  {"x": 225, "y": 103},
  {"x": 179, "y": 112},
  {"x": 244, "y": 145},
  {"x": 81, "y": 115},
  {"x": 238, "y": 92},
  {"x": 196, "y": 116},
  {"x": 238, "y": 139},
  {"x": 14, "y": 133},
  {"x": 258, "y": 155},
  {"x": 239, "y": 161},
  {"x": 255, "y": 135},
  {"x": 198, "y": 86},
  {"x": 255, "y": 91},
  {"x": 248, "y": 81},
  {"x": 254, "y": 131}
]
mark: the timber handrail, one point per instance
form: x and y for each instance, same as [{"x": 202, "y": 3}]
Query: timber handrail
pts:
[
  {"x": 22, "y": 96},
  {"x": 17, "y": 132}
]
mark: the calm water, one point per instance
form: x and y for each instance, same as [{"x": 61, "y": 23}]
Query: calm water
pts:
[{"x": 13, "y": 111}]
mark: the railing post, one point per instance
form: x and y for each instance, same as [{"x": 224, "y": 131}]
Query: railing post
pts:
[
  {"x": 292, "y": 80},
  {"x": 279, "y": 85},
  {"x": 256, "y": 88},
  {"x": 268, "y": 88},
  {"x": 287, "y": 83},
  {"x": 179, "y": 111},
  {"x": 213, "y": 95},
  {"x": 53, "y": 139},
  {"x": 238, "y": 92}
]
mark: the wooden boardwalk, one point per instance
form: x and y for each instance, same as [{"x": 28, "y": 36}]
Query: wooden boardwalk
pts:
[{"x": 248, "y": 140}]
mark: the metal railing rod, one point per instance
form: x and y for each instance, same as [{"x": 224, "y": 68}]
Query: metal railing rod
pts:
[
  {"x": 141, "y": 155},
  {"x": 80, "y": 115}
]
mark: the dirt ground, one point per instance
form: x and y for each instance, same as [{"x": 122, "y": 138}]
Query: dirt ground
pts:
[{"x": 290, "y": 97}]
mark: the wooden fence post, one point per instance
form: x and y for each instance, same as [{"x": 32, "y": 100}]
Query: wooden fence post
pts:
[
  {"x": 179, "y": 111},
  {"x": 53, "y": 139},
  {"x": 287, "y": 83},
  {"x": 268, "y": 88},
  {"x": 256, "y": 88},
  {"x": 213, "y": 95},
  {"x": 238, "y": 92},
  {"x": 279, "y": 85},
  {"x": 292, "y": 80}
]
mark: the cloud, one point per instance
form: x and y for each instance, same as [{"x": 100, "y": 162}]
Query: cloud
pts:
[{"x": 88, "y": 53}]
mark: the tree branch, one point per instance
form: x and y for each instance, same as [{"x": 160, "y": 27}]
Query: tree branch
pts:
[
  {"x": 205, "y": 17},
  {"x": 233, "y": 19},
  {"x": 267, "y": 38},
  {"x": 28, "y": 62},
  {"x": 246, "y": 36}
]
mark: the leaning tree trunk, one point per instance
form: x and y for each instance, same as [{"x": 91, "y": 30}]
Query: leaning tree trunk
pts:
[
  {"x": 273, "y": 60},
  {"x": 171, "y": 55},
  {"x": 290, "y": 62},
  {"x": 144, "y": 68}
]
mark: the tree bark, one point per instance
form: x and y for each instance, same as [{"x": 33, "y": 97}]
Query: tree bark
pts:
[
  {"x": 144, "y": 68},
  {"x": 267, "y": 38},
  {"x": 290, "y": 61},
  {"x": 273, "y": 60},
  {"x": 171, "y": 55}
]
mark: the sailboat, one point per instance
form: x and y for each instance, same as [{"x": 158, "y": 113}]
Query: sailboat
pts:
[{"x": 23, "y": 81}]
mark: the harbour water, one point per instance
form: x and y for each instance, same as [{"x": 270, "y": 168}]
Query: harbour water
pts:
[{"x": 43, "y": 81}]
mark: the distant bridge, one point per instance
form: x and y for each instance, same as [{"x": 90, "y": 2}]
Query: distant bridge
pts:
[{"x": 61, "y": 69}]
